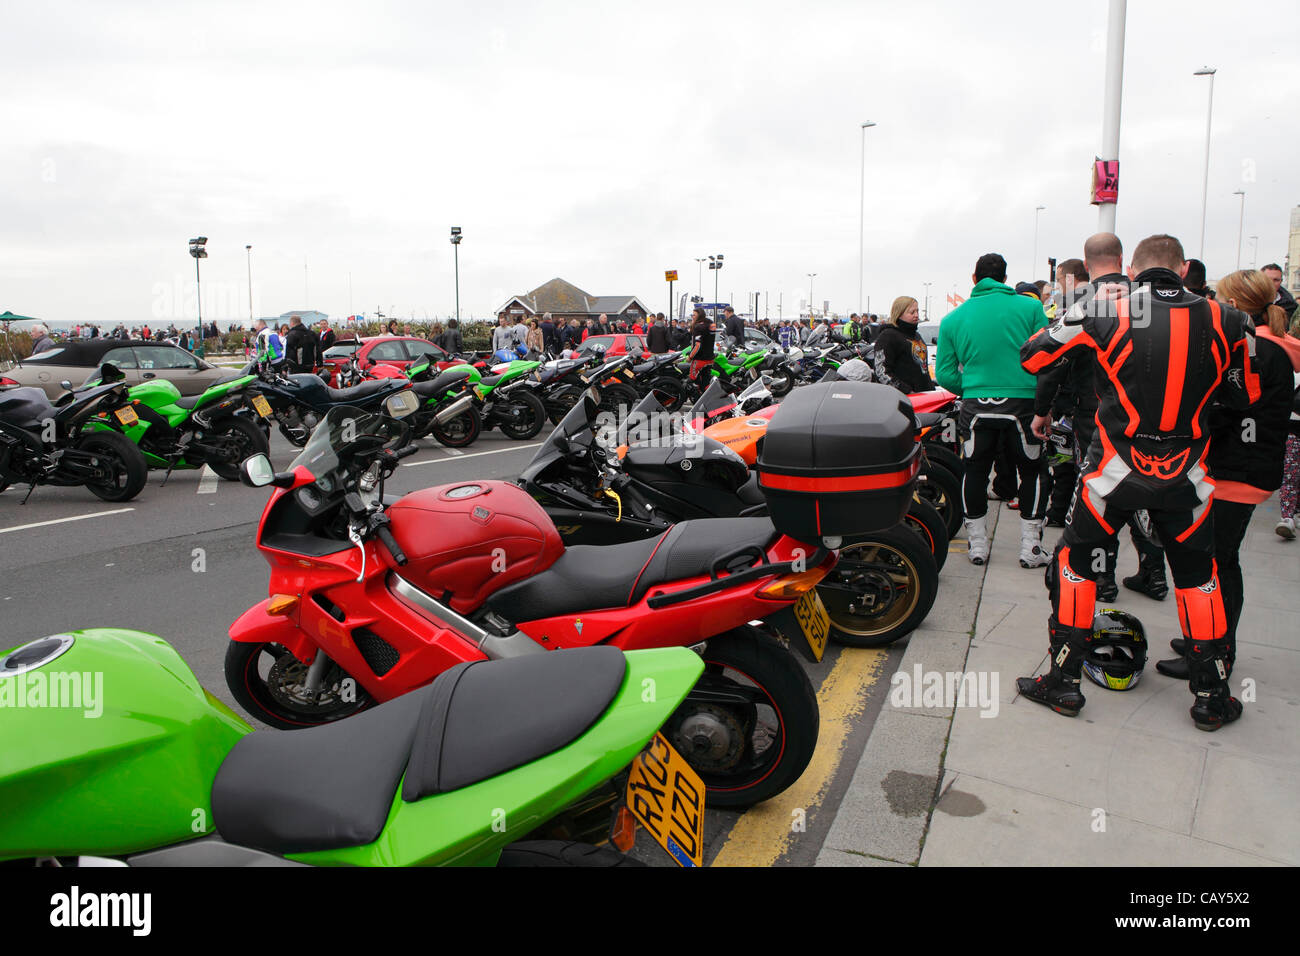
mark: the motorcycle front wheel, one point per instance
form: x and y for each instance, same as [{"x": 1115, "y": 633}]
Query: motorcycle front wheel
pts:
[
  {"x": 247, "y": 439},
  {"x": 881, "y": 589},
  {"x": 749, "y": 728},
  {"x": 783, "y": 381},
  {"x": 267, "y": 681},
  {"x": 522, "y": 415}
]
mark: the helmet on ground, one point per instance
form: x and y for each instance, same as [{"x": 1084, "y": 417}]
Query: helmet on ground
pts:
[{"x": 1118, "y": 651}]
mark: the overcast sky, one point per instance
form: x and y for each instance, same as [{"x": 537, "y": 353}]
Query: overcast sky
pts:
[{"x": 605, "y": 143}]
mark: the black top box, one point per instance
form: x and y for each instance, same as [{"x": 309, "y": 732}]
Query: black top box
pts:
[{"x": 840, "y": 459}]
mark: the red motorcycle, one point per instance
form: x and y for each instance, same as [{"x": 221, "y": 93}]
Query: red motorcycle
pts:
[{"x": 369, "y": 600}]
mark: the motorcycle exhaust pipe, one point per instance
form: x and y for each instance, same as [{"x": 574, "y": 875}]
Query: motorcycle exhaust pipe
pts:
[{"x": 458, "y": 407}]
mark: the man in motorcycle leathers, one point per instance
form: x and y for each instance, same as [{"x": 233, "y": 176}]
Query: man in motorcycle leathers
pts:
[{"x": 1164, "y": 353}]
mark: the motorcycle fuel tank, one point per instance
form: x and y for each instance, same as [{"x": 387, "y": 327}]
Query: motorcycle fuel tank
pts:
[
  {"x": 111, "y": 745},
  {"x": 467, "y": 540}
]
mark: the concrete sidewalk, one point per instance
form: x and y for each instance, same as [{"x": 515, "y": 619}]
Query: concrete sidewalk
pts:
[{"x": 997, "y": 780}]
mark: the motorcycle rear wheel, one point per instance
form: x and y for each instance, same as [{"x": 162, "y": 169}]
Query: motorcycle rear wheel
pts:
[
  {"x": 459, "y": 432},
  {"x": 889, "y": 578},
  {"x": 253, "y": 689},
  {"x": 783, "y": 382},
  {"x": 126, "y": 469},
  {"x": 747, "y": 752},
  {"x": 669, "y": 392}
]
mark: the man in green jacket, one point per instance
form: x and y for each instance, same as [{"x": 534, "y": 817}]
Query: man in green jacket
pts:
[{"x": 979, "y": 359}]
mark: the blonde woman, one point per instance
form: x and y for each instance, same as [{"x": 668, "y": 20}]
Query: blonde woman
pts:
[{"x": 900, "y": 355}]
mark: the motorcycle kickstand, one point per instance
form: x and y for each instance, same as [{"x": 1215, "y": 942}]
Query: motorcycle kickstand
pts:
[{"x": 30, "y": 489}]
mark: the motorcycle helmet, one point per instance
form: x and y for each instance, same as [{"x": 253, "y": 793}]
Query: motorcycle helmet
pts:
[
  {"x": 855, "y": 370},
  {"x": 1061, "y": 441},
  {"x": 1118, "y": 651}
]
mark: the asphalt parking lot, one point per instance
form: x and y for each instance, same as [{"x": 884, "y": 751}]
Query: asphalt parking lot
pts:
[{"x": 179, "y": 561}]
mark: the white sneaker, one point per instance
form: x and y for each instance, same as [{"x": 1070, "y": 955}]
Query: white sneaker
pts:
[
  {"x": 1286, "y": 529},
  {"x": 1032, "y": 554},
  {"x": 977, "y": 532}
]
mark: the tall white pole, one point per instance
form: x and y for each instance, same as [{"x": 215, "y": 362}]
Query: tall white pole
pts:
[
  {"x": 1112, "y": 100},
  {"x": 1033, "y": 268},
  {"x": 1205, "y": 182},
  {"x": 862, "y": 211},
  {"x": 1241, "y": 221}
]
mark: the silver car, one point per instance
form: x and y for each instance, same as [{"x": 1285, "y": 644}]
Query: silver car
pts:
[{"x": 140, "y": 361}]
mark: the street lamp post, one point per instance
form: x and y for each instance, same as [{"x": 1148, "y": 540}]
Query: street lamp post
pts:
[
  {"x": 198, "y": 251},
  {"x": 862, "y": 210},
  {"x": 1241, "y": 221},
  {"x": 1254, "y": 248},
  {"x": 249, "y": 251},
  {"x": 1033, "y": 269},
  {"x": 927, "y": 299},
  {"x": 715, "y": 263},
  {"x": 455, "y": 245},
  {"x": 700, "y": 270},
  {"x": 811, "y": 276},
  {"x": 1205, "y": 182}
]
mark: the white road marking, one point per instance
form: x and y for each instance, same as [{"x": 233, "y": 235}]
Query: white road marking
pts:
[
  {"x": 207, "y": 481},
  {"x": 452, "y": 451},
  {"x": 495, "y": 451},
  {"x": 42, "y": 524}
]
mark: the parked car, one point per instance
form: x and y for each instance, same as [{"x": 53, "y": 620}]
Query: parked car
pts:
[
  {"x": 398, "y": 351},
  {"x": 139, "y": 361},
  {"x": 619, "y": 343}
]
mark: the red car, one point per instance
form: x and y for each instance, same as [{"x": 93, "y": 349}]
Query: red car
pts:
[
  {"x": 398, "y": 351},
  {"x": 620, "y": 343}
]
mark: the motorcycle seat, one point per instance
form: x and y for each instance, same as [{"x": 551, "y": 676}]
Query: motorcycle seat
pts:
[
  {"x": 340, "y": 396},
  {"x": 332, "y": 786},
  {"x": 591, "y": 577},
  {"x": 188, "y": 401},
  {"x": 490, "y": 379},
  {"x": 440, "y": 384}
]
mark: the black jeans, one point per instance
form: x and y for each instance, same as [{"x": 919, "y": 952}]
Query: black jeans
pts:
[
  {"x": 1231, "y": 520},
  {"x": 989, "y": 426}
]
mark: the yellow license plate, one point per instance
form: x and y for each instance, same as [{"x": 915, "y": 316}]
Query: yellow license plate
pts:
[
  {"x": 126, "y": 415},
  {"x": 667, "y": 796},
  {"x": 813, "y": 620},
  {"x": 262, "y": 406}
]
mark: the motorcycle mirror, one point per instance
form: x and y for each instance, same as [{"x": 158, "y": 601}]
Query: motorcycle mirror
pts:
[
  {"x": 256, "y": 471},
  {"x": 402, "y": 403}
]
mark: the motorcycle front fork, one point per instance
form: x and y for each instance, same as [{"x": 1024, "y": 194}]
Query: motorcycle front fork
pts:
[{"x": 316, "y": 673}]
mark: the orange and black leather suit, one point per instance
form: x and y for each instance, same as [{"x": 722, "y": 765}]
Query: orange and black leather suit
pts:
[{"x": 1163, "y": 354}]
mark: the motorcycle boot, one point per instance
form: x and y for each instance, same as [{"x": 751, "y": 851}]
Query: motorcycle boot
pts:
[
  {"x": 1059, "y": 687},
  {"x": 1032, "y": 554},
  {"x": 978, "y": 535}
]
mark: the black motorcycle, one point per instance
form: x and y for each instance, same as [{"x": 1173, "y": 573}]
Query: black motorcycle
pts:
[
  {"x": 46, "y": 443},
  {"x": 884, "y": 590},
  {"x": 301, "y": 400}
]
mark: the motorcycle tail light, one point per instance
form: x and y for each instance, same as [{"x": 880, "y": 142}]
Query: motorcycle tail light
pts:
[
  {"x": 282, "y": 604},
  {"x": 623, "y": 835},
  {"x": 790, "y": 587}
]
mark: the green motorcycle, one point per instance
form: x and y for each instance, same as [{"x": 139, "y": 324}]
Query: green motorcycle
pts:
[
  {"x": 114, "y": 753},
  {"x": 504, "y": 400},
  {"x": 210, "y": 429}
]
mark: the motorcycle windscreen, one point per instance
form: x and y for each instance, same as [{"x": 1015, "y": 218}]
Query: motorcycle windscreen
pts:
[
  {"x": 573, "y": 436},
  {"x": 347, "y": 431}
]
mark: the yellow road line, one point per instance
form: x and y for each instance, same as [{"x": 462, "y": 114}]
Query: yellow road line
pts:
[{"x": 765, "y": 832}]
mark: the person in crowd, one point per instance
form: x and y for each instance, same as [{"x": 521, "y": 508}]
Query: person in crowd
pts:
[
  {"x": 1149, "y": 449},
  {"x": 550, "y": 341},
  {"x": 450, "y": 341},
  {"x": 702, "y": 353},
  {"x": 503, "y": 335},
  {"x": 1247, "y": 446},
  {"x": 299, "y": 345},
  {"x": 1195, "y": 281},
  {"x": 680, "y": 336},
  {"x": 535, "y": 341},
  {"x": 269, "y": 346},
  {"x": 41, "y": 341},
  {"x": 978, "y": 359},
  {"x": 1282, "y": 298},
  {"x": 1066, "y": 390},
  {"x": 325, "y": 340},
  {"x": 900, "y": 355},
  {"x": 1290, "y": 491},
  {"x": 733, "y": 328},
  {"x": 656, "y": 336}
]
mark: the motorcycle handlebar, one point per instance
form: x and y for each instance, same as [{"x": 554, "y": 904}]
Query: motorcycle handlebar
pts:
[{"x": 386, "y": 538}]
